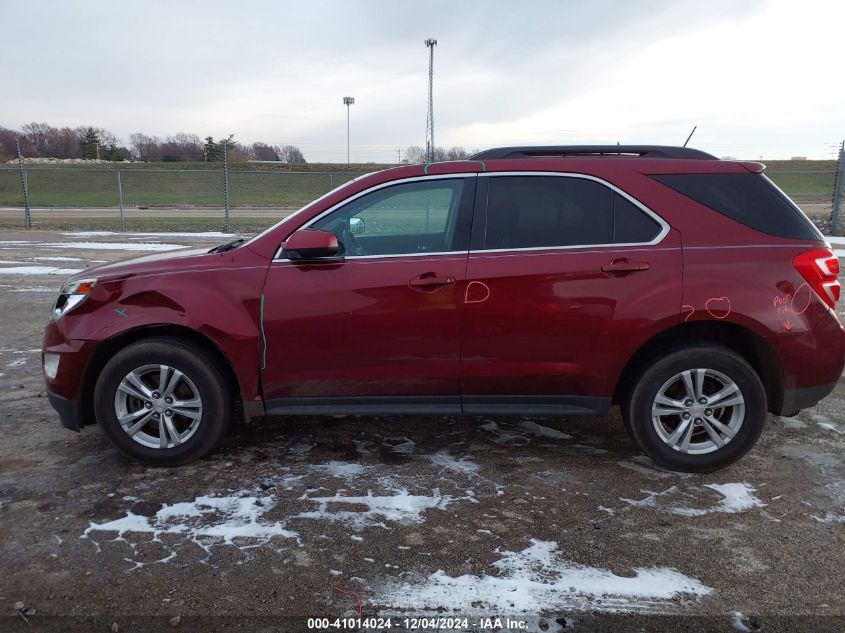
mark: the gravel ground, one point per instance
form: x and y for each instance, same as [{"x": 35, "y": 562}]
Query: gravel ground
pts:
[{"x": 399, "y": 516}]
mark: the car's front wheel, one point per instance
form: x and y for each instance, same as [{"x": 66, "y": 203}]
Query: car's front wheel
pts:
[
  {"x": 163, "y": 401},
  {"x": 697, "y": 408}
]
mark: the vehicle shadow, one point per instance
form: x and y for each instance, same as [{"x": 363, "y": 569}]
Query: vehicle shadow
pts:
[{"x": 398, "y": 439}]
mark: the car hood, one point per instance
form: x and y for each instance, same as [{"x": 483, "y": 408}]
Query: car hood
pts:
[{"x": 163, "y": 262}]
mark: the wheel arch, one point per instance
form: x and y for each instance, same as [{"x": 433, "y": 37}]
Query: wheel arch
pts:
[
  {"x": 745, "y": 342},
  {"x": 108, "y": 347}
]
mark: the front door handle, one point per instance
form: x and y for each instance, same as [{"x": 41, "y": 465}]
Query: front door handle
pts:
[
  {"x": 430, "y": 281},
  {"x": 621, "y": 266}
]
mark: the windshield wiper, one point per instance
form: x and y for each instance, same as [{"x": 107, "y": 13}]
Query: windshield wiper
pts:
[{"x": 228, "y": 246}]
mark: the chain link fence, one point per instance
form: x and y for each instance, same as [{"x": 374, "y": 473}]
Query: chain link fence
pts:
[
  {"x": 138, "y": 198},
  {"x": 144, "y": 199}
]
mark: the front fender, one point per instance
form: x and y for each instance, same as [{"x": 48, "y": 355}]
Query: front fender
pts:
[{"x": 221, "y": 303}]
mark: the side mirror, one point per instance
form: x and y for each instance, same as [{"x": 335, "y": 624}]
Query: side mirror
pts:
[
  {"x": 357, "y": 226},
  {"x": 311, "y": 244}
]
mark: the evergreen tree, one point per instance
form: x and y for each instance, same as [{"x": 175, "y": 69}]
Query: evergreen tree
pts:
[
  {"x": 212, "y": 151},
  {"x": 89, "y": 142}
]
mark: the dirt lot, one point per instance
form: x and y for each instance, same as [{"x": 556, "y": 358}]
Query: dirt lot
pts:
[{"x": 519, "y": 517}]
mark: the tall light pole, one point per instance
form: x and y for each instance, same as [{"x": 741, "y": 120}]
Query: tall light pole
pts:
[
  {"x": 347, "y": 101},
  {"x": 429, "y": 118}
]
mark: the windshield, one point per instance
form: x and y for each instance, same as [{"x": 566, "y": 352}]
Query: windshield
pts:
[{"x": 307, "y": 206}]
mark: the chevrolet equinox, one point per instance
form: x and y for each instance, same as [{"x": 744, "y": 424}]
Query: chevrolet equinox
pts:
[{"x": 547, "y": 281}]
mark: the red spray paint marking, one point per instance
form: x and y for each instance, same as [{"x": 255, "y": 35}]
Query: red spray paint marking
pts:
[
  {"x": 718, "y": 307},
  {"x": 354, "y": 594},
  {"x": 787, "y": 325}
]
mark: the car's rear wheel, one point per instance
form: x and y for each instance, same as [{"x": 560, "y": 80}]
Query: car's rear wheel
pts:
[
  {"x": 163, "y": 401},
  {"x": 696, "y": 408}
]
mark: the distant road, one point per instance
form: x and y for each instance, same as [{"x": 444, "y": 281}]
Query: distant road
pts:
[{"x": 67, "y": 212}]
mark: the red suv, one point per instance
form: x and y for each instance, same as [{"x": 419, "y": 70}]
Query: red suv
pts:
[{"x": 544, "y": 281}]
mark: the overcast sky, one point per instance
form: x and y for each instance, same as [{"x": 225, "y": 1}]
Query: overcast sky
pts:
[{"x": 759, "y": 77}]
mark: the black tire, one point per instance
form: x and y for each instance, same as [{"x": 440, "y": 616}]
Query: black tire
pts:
[
  {"x": 637, "y": 405},
  {"x": 206, "y": 376}
]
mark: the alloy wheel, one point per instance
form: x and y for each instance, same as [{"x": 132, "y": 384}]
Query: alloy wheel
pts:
[
  {"x": 158, "y": 406},
  {"x": 698, "y": 411}
]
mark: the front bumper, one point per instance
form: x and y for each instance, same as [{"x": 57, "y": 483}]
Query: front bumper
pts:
[
  {"x": 67, "y": 391},
  {"x": 70, "y": 413}
]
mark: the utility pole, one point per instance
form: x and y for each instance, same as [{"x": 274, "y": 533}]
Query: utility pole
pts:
[
  {"x": 27, "y": 216},
  {"x": 226, "y": 184},
  {"x": 837, "y": 190},
  {"x": 429, "y": 118},
  {"x": 347, "y": 101}
]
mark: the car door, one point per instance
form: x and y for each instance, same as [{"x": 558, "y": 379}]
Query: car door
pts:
[
  {"x": 377, "y": 329},
  {"x": 566, "y": 276}
]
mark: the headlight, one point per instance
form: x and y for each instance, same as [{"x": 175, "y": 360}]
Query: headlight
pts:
[{"x": 72, "y": 295}]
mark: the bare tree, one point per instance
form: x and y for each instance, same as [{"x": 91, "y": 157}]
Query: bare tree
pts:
[
  {"x": 456, "y": 152},
  {"x": 262, "y": 151},
  {"x": 7, "y": 144},
  {"x": 182, "y": 147},
  {"x": 49, "y": 142},
  {"x": 415, "y": 155},
  {"x": 291, "y": 154},
  {"x": 145, "y": 148}
]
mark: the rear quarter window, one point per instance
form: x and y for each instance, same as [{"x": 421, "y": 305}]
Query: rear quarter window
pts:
[{"x": 750, "y": 199}]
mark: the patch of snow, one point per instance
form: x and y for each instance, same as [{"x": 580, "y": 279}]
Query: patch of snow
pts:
[
  {"x": 502, "y": 436},
  {"x": 38, "y": 270},
  {"x": 17, "y": 363},
  {"x": 36, "y": 289},
  {"x": 464, "y": 465},
  {"x": 59, "y": 258},
  {"x": 114, "y": 246},
  {"x": 400, "y": 445},
  {"x": 543, "y": 431},
  {"x": 221, "y": 518},
  {"x": 835, "y": 239},
  {"x": 343, "y": 470},
  {"x": 300, "y": 448},
  {"x": 402, "y": 507},
  {"x": 539, "y": 579},
  {"x": 201, "y": 234},
  {"x": 830, "y": 517},
  {"x": 738, "y": 624},
  {"x": 736, "y": 497},
  {"x": 823, "y": 422}
]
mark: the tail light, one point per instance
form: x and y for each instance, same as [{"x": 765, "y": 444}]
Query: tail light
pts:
[{"x": 820, "y": 269}]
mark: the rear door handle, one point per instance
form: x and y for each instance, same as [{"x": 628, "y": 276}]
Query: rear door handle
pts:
[
  {"x": 624, "y": 266},
  {"x": 430, "y": 281}
]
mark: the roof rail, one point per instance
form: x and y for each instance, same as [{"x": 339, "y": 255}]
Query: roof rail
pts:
[{"x": 556, "y": 151}]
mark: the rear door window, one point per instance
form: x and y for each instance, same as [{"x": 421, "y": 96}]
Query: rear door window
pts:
[
  {"x": 750, "y": 199},
  {"x": 554, "y": 211}
]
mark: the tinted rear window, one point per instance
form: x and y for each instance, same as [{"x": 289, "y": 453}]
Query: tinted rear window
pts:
[
  {"x": 550, "y": 211},
  {"x": 538, "y": 211},
  {"x": 750, "y": 199}
]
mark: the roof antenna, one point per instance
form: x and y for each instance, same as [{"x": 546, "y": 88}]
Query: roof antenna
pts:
[{"x": 695, "y": 127}]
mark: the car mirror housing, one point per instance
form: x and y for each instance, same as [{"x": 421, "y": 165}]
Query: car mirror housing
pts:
[{"x": 308, "y": 244}]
